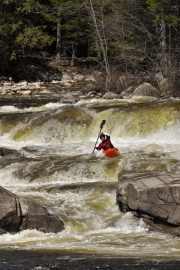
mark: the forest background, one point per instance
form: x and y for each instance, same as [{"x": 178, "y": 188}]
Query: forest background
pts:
[{"x": 139, "y": 37}]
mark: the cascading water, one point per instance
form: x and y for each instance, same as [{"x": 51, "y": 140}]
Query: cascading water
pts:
[{"x": 51, "y": 163}]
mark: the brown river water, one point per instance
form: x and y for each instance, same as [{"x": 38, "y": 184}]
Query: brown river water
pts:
[{"x": 53, "y": 164}]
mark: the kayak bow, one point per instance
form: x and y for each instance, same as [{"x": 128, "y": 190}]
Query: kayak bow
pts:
[{"x": 111, "y": 152}]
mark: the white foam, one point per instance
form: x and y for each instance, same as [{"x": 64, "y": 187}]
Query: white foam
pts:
[
  {"x": 129, "y": 224},
  {"x": 9, "y": 109}
]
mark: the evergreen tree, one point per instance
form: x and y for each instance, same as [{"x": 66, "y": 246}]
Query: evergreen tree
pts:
[
  {"x": 166, "y": 22},
  {"x": 22, "y": 29},
  {"x": 128, "y": 33},
  {"x": 66, "y": 19}
]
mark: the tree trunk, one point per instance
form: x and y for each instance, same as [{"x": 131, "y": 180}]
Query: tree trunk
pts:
[
  {"x": 163, "y": 44},
  {"x": 170, "y": 44},
  {"x": 103, "y": 44},
  {"x": 58, "y": 42},
  {"x": 73, "y": 56}
]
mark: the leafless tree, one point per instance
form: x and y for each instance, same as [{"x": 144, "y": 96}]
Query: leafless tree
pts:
[{"x": 101, "y": 39}]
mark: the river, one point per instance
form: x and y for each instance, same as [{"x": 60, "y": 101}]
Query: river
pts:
[{"x": 52, "y": 164}]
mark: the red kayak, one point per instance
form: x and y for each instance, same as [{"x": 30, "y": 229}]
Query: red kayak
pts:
[{"x": 111, "y": 152}]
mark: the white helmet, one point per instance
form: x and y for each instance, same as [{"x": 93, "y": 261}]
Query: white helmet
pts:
[{"x": 105, "y": 135}]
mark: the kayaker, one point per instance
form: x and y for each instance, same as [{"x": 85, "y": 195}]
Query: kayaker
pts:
[{"x": 106, "y": 142}]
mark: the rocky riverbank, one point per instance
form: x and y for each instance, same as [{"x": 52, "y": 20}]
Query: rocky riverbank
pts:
[
  {"x": 39, "y": 79},
  {"x": 86, "y": 85}
]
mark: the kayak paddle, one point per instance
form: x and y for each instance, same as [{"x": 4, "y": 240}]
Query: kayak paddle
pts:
[{"x": 101, "y": 126}]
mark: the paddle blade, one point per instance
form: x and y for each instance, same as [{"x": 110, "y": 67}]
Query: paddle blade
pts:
[{"x": 102, "y": 124}]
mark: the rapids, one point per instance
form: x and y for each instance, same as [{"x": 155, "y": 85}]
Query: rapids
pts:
[{"x": 52, "y": 164}]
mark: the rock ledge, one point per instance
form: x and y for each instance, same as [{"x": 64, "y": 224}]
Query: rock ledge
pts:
[
  {"x": 155, "y": 195},
  {"x": 18, "y": 213}
]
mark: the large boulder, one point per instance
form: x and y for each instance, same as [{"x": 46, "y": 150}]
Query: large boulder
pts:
[
  {"x": 110, "y": 95},
  {"x": 127, "y": 93},
  {"x": 154, "y": 194},
  {"x": 146, "y": 89},
  {"x": 18, "y": 213}
]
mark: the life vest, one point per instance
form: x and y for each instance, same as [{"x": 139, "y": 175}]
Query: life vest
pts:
[{"x": 105, "y": 145}]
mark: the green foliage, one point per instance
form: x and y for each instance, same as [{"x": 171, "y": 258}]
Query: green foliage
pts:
[
  {"x": 171, "y": 19},
  {"x": 130, "y": 29},
  {"x": 154, "y": 4},
  {"x": 22, "y": 28},
  {"x": 29, "y": 6},
  {"x": 33, "y": 37},
  {"x": 164, "y": 10}
]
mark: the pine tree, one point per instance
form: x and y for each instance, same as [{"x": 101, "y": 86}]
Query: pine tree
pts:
[
  {"x": 166, "y": 21},
  {"x": 22, "y": 29},
  {"x": 65, "y": 16}
]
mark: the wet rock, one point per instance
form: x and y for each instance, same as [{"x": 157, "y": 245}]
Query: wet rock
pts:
[
  {"x": 69, "y": 99},
  {"x": 1, "y": 153},
  {"x": 2, "y": 232},
  {"x": 154, "y": 194},
  {"x": 5, "y": 151},
  {"x": 18, "y": 213}
]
